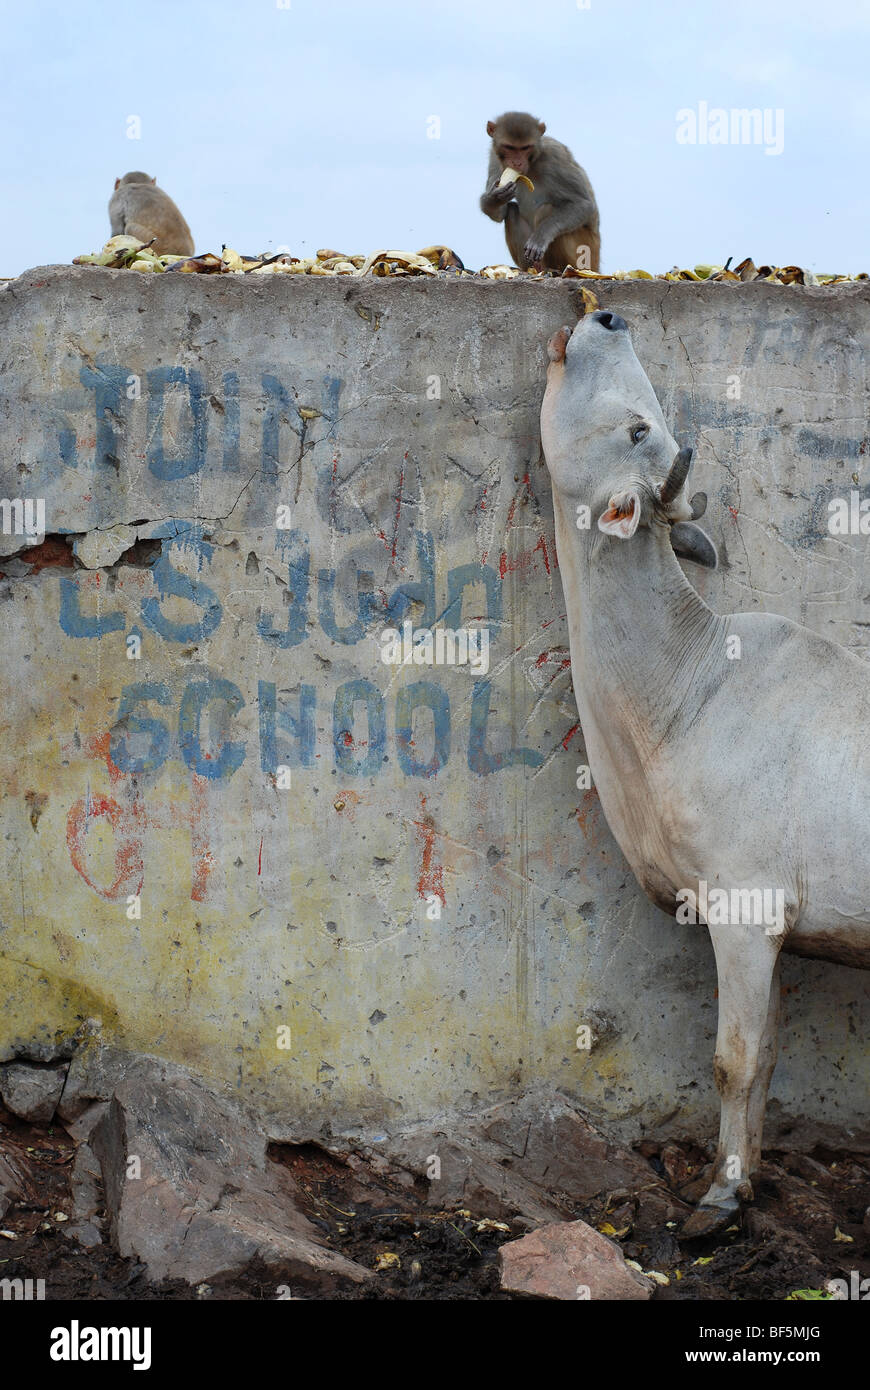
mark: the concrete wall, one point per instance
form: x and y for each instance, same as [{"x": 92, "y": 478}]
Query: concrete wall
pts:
[{"x": 432, "y": 906}]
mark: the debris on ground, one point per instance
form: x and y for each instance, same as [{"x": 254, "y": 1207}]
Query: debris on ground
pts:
[
  {"x": 531, "y": 1188},
  {"x": 127, "y": 253}
]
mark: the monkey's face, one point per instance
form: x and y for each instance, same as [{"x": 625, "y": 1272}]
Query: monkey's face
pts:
[{"x": 518, "y": 156}]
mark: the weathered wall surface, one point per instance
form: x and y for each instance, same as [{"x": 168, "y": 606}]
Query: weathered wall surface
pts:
[{"x": 432, "y": 907}]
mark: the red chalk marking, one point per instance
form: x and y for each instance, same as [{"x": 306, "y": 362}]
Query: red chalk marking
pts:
[
  {"x": 97, "y": 746},
  {"x": 554, "y": 654},
  {"x": 570, "y": 734},
  {"x": 431, "y": 878},
  {"x": 524, "y": 559},
  {"x": 129, "y": 869}
]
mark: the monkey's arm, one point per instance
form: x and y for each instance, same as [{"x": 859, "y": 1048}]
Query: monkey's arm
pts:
[{"x": 569, "y": 204}]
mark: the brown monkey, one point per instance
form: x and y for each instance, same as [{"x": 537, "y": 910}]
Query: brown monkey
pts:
[
  {"x": 141, "y": 209},
  {"x": 550, "y": 225}
]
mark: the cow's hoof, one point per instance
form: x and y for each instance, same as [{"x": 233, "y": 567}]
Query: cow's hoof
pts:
[{"x": 707, "y": 1221}]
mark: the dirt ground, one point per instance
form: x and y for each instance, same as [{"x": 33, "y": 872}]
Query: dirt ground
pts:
[{"x": 805, "y": 1227}]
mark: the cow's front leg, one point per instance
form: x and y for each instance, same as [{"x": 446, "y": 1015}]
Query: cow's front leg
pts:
[
  {"x": 747, "y": 966},
  {"x": 766, "y": 1063}
]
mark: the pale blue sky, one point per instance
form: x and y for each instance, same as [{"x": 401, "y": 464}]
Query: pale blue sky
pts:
[{"x": 307, "y": 126}]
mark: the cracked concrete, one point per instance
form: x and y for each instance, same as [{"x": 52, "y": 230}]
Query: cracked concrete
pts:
[{"x": 177, "y": 647}]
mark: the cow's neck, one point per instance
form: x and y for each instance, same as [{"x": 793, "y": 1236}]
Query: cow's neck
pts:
[{"x": 645, "y": 648}]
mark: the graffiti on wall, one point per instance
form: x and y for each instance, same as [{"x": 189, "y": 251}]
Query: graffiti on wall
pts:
[{"x": 197, "y": 722}]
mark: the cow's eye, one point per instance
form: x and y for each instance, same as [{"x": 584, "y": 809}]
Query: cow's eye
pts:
[{"x": 639, "y": 432}]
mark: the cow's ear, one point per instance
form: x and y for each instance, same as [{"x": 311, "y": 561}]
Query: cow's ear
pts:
[
  {"x": 691, "y": 543},
  {"x": 622, "y": 517}
]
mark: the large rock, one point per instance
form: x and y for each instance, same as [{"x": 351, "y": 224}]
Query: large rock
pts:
[
  {"x": 206, "y": 1200},
  {"x": 95, "y": 1072},
  {"x": 553, "y": 1144},
  {"x": 32, "y": 1091},
  {"x": 569, "y": 1260},
  {"x": 537, "y": 1157}
]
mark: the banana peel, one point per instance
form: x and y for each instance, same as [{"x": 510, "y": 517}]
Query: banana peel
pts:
[
  {"x": 388, "y": 263},
  {"x": 512, "y": 176},
  {"x": 94, "y": 258},
  {"x": 207, "y": 264},
  {"x": 125, "y": 243},
  {"x": 118, "y": 252},
  {"x": 128, "y": 253},
  {"x": 442, "y": 257}
]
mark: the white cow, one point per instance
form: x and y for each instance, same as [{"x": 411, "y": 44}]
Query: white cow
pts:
[{"x": 737, "y": 765}]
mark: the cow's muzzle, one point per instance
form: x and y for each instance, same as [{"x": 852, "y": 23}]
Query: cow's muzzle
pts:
[{"x": 611, "y": 321}]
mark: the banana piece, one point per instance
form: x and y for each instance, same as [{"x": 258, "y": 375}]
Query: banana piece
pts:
[
  {"x": 123, "y": 243},
  {"x": 382, "y": 263},
  {"x": 511, "y": 176}
]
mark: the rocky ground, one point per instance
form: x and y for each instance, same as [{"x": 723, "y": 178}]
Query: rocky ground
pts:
[{"x": 806, "y": 1226}]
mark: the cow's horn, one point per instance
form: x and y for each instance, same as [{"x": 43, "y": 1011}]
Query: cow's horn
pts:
[{"x": 677, "y": 476}]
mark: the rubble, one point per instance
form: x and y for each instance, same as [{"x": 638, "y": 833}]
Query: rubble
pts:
[
  {"x": 30, "y": 1090},
  {"x": 189, "y": 1190},
  {"x": 537, "y": 1155},
  {"x": 569, "y": 1261}
]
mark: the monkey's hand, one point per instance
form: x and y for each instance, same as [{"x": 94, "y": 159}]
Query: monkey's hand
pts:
[
  {"x": 496, "y": 202},
  {"x": 534, "y": 251},
  {"x": 496, "y": 195}
]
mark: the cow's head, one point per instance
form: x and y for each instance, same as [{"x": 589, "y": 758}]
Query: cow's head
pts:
[{"x": 606, "y": 442}]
